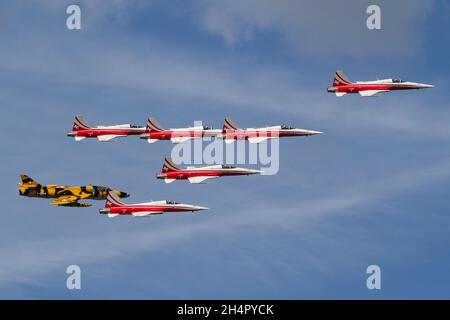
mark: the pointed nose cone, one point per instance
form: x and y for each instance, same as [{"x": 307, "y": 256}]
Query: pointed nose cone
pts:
[
  {"x": 421, "y": 85},
  {"x": 310, "y": 132},
  {"x": 251, "y": 171},
  {"x": 199, "y": 208}
]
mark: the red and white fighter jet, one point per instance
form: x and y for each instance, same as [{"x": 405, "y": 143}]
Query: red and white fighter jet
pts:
[
  {"x": 82, "y": 130},
  {"x": 115, "y": 207},
  {"x": 171, "y": 172},
  {"x": 231, "y": 132},
  {"x": 155, "y": 132},
  {"x": 342, "y": 85}
]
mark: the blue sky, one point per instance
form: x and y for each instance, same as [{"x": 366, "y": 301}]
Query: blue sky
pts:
[{"x": 373, "y": 189}]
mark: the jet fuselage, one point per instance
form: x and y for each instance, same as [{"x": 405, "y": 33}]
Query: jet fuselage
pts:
[
  {"x": 82, "y": 130},
  {"x": 270, "y": 132},
  {"x": 107, "y": 131},
  {"x": 214, "y": 171},
  {"x": 114, "y": 207},
  {"x": 179, "y": 135},
  {"x": 88, "y": 192},
  {"x": 381, "y": 85},
  {"x": 342, "y": 85},
  {"x": 150, "y": 207}
]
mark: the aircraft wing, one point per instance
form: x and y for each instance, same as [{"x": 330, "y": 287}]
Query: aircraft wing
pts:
[
  {"x": 146, "y": 213},
  {"x": 257, "y": 139},
  {"x": 180, "y": 139},
  {"x": 108, "y": 137},
  {"x": 85, "y": 195},
  {"x": 199, "y": 179},
  {"x": 65, "y": 200},
  {"x": 369, "y": 93}
]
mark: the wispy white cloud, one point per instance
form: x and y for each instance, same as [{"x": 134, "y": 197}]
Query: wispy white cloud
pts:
[
  {"x": 320, "y": 27},
  {"x": 231, "y": 84}
]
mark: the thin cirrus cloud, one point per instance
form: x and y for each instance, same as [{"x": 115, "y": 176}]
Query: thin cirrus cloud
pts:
[
  {"x": 151, "y": 67},
  {"x": 320, "y": 27},
  {"x": 232, "y": 84}
]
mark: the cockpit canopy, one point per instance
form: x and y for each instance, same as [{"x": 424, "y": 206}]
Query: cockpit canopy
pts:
[
  {"x": 171, "y": 202},
  {"x": 135, "y": 126},
  {"x": 397, "y": 81},
  {"x": 207, "y": 128},
  {"x": 283, "y": 127},
  {"x": 224, "y": 166}
]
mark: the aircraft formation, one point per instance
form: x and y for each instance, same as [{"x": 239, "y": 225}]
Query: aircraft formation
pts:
[
  {"x": 154, "y": 132},
  {"x": 70, "y": 196}
]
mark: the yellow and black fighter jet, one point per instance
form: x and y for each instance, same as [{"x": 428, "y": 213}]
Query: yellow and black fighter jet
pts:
[{"x": 65, "y": 196}]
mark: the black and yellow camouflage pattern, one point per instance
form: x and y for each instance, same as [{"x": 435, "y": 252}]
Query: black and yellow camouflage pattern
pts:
[{"x": 65, "y": 196}]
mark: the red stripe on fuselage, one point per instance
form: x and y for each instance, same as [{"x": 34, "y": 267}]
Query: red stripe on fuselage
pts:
[
  {"x": 167, "y": 135},
  {"x": 246, "y": 134},
  {"x": 138, "y": 208},
  {"x": 185, "y": 174},
  {"x": 355, "y": 88},
  {"x": 100, "y": 132}
]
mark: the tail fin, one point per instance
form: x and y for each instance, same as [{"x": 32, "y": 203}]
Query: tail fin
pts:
[
  {"x": 153, "y": 125},
  {"x": 80, "y": 124},
  {"x": 340, "y": 79},
  {"x": 229, "y": 124},
  {"x": 26, "y": 180},
  {"x": 112, "y": 200},
  {"x": 169, "y": 165}
]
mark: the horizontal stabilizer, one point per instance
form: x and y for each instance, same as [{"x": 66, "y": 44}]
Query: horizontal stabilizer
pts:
[
  {"x": 152, "y": 140},
  {"x": 340, "y": 94},
  {"x": 112, "y": 215},
  {"x": 79, "y": 138},
  {"x": 169, "y": 180}
]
